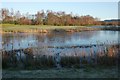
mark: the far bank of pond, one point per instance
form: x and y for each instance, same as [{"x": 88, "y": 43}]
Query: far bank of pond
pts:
[
  {"x": 43, "y": 29},
  {"x": 10, "y": 28}
]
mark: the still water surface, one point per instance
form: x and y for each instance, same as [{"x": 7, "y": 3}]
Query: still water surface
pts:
[{"x": 25, "y": 40}]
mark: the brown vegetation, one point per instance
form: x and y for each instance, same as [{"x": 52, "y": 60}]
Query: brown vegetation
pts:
[
  {"x": 26, "y": 59},
  {"x": 51, "y": 18}
]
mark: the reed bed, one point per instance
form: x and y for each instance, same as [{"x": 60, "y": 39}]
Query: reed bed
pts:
[{"x": 25, "y": 59}]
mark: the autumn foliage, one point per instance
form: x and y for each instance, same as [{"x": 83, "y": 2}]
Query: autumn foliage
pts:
[{"x": 50, "y": 18}]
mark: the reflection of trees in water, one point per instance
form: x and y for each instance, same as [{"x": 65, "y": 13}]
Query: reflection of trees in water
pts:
[
  {"x": 86, "y": 35},
  {"x": 11, "y": 37},
  {"x": 16, "y": 39},
  {"x": 62, "y": 37},
  {"x": 46, "y": 39},
  {"x": 52, "y": 37},
  {"x": 42, "y": 37},
  {"x": 110, "y": 32}
]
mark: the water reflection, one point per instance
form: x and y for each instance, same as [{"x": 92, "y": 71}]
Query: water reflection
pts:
[{"x": 24, "y": 40}]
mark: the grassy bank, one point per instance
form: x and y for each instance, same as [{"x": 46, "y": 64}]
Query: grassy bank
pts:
[
  {"x": 88, "y": 72},
  {"x": 49, "y": 27},
  {"x": 43, "y": 28}
]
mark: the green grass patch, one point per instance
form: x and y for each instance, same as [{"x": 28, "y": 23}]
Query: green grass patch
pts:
[{"x": 7, "y": 27}]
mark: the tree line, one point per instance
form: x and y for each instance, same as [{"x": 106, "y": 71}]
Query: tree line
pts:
[{"x": 49, "y": 18}]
